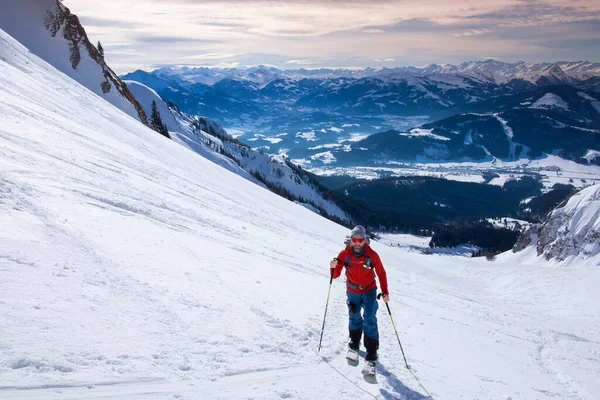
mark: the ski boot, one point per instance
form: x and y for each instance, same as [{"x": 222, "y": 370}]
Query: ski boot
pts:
[
  {"x": 353, "y": 347},
  {"x": 369, "y": 370}
]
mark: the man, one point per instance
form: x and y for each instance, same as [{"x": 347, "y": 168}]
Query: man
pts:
[{"x": 362, "y": 265}]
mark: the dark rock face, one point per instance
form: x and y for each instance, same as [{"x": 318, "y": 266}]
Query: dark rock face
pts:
[{"x": 526, "y": 238}]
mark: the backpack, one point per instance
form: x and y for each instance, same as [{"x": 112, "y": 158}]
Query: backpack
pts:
[{"x": 368, "y": 262}]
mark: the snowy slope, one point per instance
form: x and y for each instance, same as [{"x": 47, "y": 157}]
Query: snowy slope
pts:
[
  {"x": 550, "y": 100},
  {"x": 49, "y": 30},
  {"x": 132, "y": 268},
  {"x": 145, "y": 96},
  {"x": 181, "y": 129}
]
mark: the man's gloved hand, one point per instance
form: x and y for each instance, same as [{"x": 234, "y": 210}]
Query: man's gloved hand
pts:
[
  {"x": 385, "y": 297},
  {"x": 333, "y": 263},
  {"x": 352, "y": 307}
]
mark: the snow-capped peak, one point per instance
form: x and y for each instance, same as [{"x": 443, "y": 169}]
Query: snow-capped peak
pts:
[{"x": 487, "y": 70}]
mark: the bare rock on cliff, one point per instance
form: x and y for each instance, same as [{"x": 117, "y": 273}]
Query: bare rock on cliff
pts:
[{"x": 571, "y": 232}]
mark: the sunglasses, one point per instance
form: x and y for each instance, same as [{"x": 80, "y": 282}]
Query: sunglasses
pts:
[{"x": 356, "y": 240}]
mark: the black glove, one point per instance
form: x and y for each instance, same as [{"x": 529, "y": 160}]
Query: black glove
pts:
[{"x": 352, "y": 307}]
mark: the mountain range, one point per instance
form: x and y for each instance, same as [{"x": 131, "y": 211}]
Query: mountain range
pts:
[
  {"x": 492, "y": 70},
  {"x": 337, "y": 121},
  {"x": 560, "y": 120},
  {"x": 262, "y": 96}
]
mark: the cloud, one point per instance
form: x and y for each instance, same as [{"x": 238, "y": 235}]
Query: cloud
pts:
[
  {"x": 472, "y": 32},
  {"x": 233, "y": 64},
  {"x": 372, "y": 30},
  {"x": 287, "y": 2},
  {"x": 339, "y": 33},
  {"x": 173, "y": 39},
  {"x": 303, "y": 62},
  {"x": 89, "y": 21},
  {"x": 213, "y": 56},
  {"x": 128, "y": 52},
  {"x": 540, "y": 13}
]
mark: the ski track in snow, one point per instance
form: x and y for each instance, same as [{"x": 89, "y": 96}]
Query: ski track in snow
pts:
[{"x": 132, "y": 268}]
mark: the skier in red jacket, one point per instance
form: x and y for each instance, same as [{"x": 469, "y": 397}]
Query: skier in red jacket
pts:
[{"x": 362, "y": 265}]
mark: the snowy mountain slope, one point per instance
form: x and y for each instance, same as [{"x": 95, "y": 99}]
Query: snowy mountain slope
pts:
[
  {"x": 235, "y": 99},
  {"x": 540, "y": 74},
  {"x": 572, "y": 232},
  {"x": 132, "y": 268},
  {"x": 554, "y": 120},
  {"x": 119, "y": 218},
  {"x": 198, "y": 98},
  {"x": 49, "y": 30},
  {"x": 145, "y": 96},
  {"x": 182, "y": 129}
]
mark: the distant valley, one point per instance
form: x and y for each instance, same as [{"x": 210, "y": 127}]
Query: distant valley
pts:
[{"x": 460, "y": 122}]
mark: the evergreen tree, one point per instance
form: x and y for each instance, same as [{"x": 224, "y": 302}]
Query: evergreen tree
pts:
[
  {"x": 100, "y": 50},
  {"x": 156, "y": 122}
]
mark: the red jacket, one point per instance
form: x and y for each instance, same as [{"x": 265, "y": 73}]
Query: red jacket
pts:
[{"x": 359, "y": 274}]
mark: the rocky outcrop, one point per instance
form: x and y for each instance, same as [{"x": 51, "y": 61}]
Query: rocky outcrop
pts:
[
  {"x": 59, "y": 20},
  {"x": 571, "y": 230}
]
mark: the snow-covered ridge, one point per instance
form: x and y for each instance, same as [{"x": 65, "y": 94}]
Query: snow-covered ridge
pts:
[
  {"x": 50, "y": 31},
  {"x": 571, "y": 233},
  {"x": 489, "y": 70},
  {"x": 550, "y": 100},
  {"x": 424, "y": 132}
]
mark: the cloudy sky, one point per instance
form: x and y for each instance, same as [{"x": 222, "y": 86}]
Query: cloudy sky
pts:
[{"x": 149, "y": 34}]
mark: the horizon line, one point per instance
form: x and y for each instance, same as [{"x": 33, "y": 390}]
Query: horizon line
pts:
[{"x": 358, "y": 68}]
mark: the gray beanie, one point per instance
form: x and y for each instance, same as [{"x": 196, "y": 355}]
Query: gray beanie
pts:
[{"x": 359, "y": 230}]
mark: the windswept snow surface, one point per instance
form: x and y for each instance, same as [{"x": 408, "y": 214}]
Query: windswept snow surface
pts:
[{"x": 133, "y": 268}]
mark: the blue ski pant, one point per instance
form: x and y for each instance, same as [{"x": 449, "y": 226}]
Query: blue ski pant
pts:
[{"x": 366, "y": 301}]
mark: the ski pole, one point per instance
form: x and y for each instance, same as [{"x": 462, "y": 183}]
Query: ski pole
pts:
[
  {"x": 395, "y": 330},
  {"x": 326, "y": 304}
]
